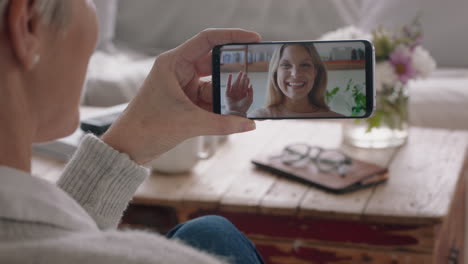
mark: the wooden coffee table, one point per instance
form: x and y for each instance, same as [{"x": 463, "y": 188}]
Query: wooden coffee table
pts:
[{"x": 416, "y": 217}]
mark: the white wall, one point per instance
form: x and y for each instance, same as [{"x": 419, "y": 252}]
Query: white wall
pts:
[{"x": 150, "y": 24}]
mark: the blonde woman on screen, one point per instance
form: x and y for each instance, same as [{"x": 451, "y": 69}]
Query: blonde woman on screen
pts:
[{"x": 297, "y": 82}]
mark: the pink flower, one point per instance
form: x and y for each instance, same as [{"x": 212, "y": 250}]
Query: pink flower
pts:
[{"x": 401, "y": 61}]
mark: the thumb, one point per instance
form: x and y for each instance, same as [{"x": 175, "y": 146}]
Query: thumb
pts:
[{"x": 217, "y": 124}]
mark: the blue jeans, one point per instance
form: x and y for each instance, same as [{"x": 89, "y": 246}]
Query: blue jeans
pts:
[{"x": 217, "y": 236}]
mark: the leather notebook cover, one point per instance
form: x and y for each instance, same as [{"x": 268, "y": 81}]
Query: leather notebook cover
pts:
[{"x": 358, "y": 175}]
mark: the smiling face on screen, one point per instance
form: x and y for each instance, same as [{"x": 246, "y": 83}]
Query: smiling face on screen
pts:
[{"x": 296, "y": 72}]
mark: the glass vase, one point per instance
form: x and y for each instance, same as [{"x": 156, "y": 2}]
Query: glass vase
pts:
[{"x": 388, "y": 127}]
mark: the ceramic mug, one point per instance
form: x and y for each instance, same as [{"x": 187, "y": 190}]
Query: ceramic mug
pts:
[{"x": 185, "y": 156}]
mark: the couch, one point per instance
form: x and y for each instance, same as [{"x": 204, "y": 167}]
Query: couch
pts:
[{"x": 132, "y": 33}]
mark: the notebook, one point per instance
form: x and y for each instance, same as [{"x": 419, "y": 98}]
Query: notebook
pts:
[{"x": 358, "y": 175}]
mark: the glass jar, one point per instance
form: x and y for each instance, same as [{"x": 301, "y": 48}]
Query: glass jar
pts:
[{"x": 388, "y": 127}]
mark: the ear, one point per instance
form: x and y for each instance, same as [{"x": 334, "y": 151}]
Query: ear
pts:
[{"x": 23, "y": 30}]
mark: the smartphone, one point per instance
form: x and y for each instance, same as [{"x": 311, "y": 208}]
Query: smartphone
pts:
[{"x": 294, "y": 79}]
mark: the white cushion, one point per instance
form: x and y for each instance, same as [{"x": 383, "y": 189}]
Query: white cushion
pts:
[
  {"x": 115, "y": 77},
  {"x": 441, "y": 100}
]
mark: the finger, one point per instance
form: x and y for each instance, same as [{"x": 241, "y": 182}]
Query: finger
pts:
[
  {"x": 250, "y": 91},
  {"x": 226, "y": 124},
  {"x": 250, "y": 94},
  {"x": 201, "y": 44},
  {"x": 191, "y": 90},
  {"x": 237, "y": 83},
  {"x": 205, "y": 93},
  {"x": 204, "y": 66},
  {"x": 228, "y": 85},
  {"x": 246, "y": 86},
  {"x": 206, "y": 106},
  {"x": 238, "y": 78}
]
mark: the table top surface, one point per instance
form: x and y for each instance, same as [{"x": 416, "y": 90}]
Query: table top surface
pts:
[{"x": 423, "y": 176}]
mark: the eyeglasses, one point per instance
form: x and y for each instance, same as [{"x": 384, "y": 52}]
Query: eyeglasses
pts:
[{"x": 300, "y": 154}]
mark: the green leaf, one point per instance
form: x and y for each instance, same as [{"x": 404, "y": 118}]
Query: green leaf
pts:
[
  {"x": 330, "y": 94},
  {"x": 348, "y": 85},
  {"x": 383, "y": 45},
  {"x": 374, "y": 121}
]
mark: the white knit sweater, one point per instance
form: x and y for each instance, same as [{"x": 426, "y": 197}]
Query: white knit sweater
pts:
[{"x": 75, "y": 222}]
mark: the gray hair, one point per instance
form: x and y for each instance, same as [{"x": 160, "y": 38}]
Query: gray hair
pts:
[{"x": 51, "y": 11}]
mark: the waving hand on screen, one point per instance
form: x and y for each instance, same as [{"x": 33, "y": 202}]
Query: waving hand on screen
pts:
[{"x": 239, "y": 95}]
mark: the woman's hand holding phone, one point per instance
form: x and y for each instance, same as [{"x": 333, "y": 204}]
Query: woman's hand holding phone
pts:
[
  {"x": 173, "y": 103},
  {"x": 239, "y": 95}
]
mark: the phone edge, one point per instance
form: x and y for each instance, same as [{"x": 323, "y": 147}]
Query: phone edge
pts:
[{"x": 215, "y": 79}]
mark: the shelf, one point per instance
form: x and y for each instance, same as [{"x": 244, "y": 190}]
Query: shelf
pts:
[{"x": 251, "y": 67}]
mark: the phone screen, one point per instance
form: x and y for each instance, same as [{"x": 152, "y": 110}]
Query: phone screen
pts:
[{"x": 303, "y": 79}]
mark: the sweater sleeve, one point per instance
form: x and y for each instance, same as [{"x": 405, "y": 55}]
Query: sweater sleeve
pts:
[{"x": 102, "y": 180}]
